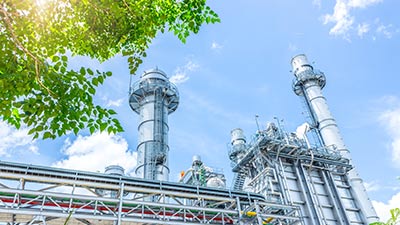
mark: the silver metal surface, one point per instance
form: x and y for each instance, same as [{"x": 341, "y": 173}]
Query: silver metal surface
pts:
[
  {"x": 284, "y": 169},
  {"x": 236, "y": 153},
  {"x": 300, "y": 64},
  {"x": 201, "y": 175},
  {"x": 153, "y": 97},
  {"x": 29, "y": 191},
  {"x": 309, "y": 84},
  {"x": 114, "y": 170},
  {"x": 238, "y": 143}
]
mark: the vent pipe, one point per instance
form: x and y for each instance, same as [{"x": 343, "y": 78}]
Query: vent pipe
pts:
[{"x": 308, "y": 84}]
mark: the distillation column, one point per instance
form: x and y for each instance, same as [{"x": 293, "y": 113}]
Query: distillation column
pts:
[
  {"x": 153, "y": 97},
  {"x": 309, "y": 83}
]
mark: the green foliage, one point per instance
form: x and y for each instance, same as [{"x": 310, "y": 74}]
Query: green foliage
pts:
[
  {"x": 37, "y": 87},
  {"x": 394, "y": 219},
  {"x": 69, "y": 217}
]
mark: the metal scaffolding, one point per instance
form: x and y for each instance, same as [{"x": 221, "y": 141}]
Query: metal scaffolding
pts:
[
  {"x": 280, "y": 178},
  {"x": 308, "y": 84},
  {"x": 30, "y": 194},
  {"x": 285, "y": 170},
  {"x": 288, "y": 168}
]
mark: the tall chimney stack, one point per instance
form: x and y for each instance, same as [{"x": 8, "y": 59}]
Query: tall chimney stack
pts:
[
  {"x": 309, "y": 84},
  {"x": 153, "y": 97}
]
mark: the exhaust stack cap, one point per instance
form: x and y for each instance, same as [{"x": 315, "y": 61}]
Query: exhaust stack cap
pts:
[{"x": 300, "y": 63}]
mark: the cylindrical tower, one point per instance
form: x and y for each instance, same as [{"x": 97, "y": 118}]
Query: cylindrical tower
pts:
[
  {"x": 238, "y": 145},
  {"x": 309, "y": 83},
  {"x": 153, "y": 97}
]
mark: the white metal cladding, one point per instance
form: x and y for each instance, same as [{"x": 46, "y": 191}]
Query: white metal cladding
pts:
[
  {"x": 29, "y": 192},
  {"x": 283, "y": 169},
  {"x": 309, "y": 84},
  {"x": 153, "y": 97}
]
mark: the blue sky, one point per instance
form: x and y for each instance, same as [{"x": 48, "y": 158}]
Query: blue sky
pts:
[{"x": 231, "y": 71}]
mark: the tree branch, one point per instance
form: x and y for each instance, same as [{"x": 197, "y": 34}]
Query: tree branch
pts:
[{"x": 9, "y": 27}]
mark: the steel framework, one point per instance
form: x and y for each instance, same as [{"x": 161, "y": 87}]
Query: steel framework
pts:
[
  {"x": 288, "y": 168},
  {"x": 285, "y": 170},
  {"x": 308, "y": 84},
  {"x": 32, "y": 194}
]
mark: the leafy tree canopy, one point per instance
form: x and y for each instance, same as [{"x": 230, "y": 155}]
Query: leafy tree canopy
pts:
[
  {"x": 393, "y": 220},
  {"x": 36, "y": 37}
]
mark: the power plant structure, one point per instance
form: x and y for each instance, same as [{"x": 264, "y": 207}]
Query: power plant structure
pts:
[
  {"x": 201, "y": 175},
  {"x": 288, "y": 168},
  {"x": 153, "y": 97},
  {"x": 280, "y": 178}
]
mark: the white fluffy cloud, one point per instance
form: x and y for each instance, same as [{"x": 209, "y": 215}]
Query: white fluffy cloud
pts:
[
  {"x": 116, "y": 103},
  {"x": 391, "y": 120},
  {"x": 179, "y": 78},
  {"x": 383, "y": 209},
  {"x": 362, "y": 3},
  {"x": 108, "y": 102},
  {"x": 95, "y": 152},
  {"x": 386, "y": 30},
  {"x": 362, "y": 29},
  {"x": 342, "y": 18},
  {"x": 181, "y": 74},
  {"x": 372, "y": 186},
  {"x": 12, "y": 139},
  {"x": 216, "y": 46}
]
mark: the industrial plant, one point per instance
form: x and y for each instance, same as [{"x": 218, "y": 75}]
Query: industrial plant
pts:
[{"x": 304, "y": 177}]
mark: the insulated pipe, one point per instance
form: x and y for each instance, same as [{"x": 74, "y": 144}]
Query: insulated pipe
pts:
[
  {"x": 309, "y": 83},
  {"x": 190, "y": 170},
  {"x": 153, "y": 97}
]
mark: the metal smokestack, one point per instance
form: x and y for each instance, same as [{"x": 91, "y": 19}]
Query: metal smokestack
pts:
[
  {"x": 309, "y": 83},
  {"x": 153, "y": 97},
  {"x": 238, "y": 145}
]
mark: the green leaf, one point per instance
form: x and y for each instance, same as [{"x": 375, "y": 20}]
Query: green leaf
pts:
[
  {"x": 15, "y": 113},
  {"x": 112, "y": 112},
  {"x": 47, "y": 135},
  {"x": 55, "y": 58},
  {"x": 82, "y": 71},
  {"x": 56, "y": 105},
  {"x": 39, "y": 128},
  {"x": 100, "y": 79},
  {"x": 31, "y": 131},
  {"x": 61, "y": 50},
  {"x": 92, "y": 90},
  {"x": 95, "y": 81},
  {"x": 90, "y": 71},
  {"x": 103, "y": 126},
  {"x": 92, "y": 129},
  {"x": 110, "y": 130}
]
